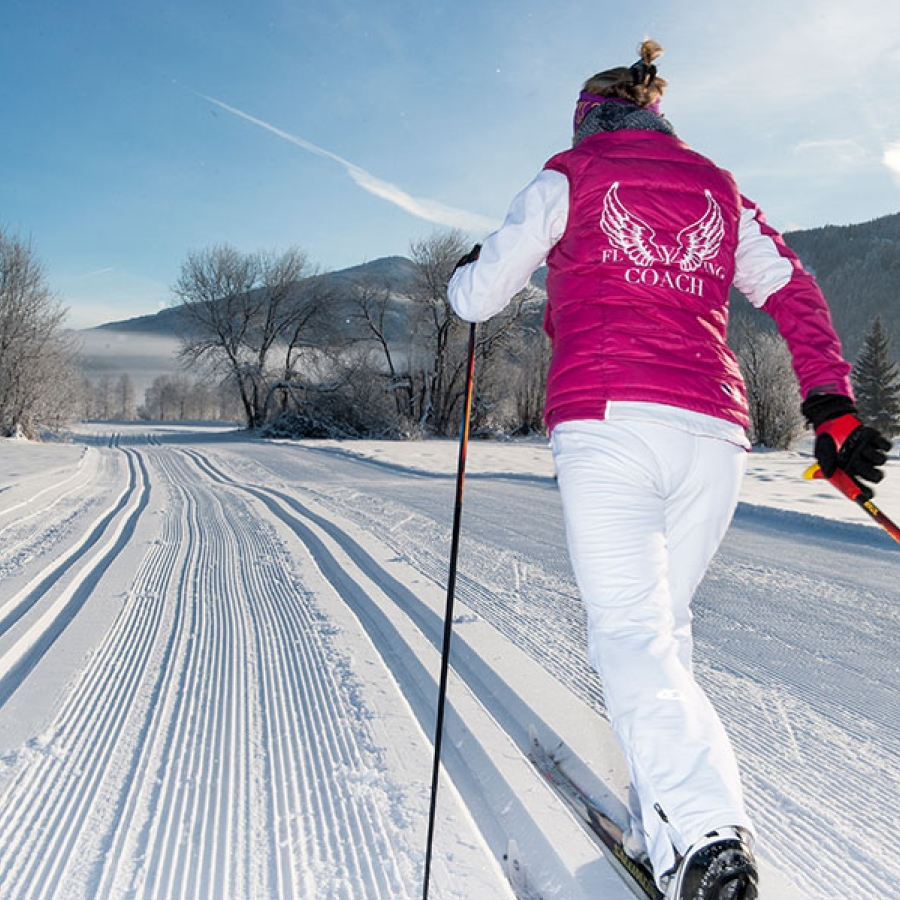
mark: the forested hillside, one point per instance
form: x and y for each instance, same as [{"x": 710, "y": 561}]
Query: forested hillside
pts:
[{"x": 858, "y": 268}]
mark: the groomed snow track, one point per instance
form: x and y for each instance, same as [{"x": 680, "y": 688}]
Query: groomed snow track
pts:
[
  {"x": 214, "y": 739},
  {"x": 226, "y": 654}
]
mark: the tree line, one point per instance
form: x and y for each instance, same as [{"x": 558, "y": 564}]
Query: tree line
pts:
[
  {"x": 287, "y": 350},
  {"x": 313, "y": 356},
  {"x": 773, "y": 395},
  {"x": 169, "y": 398}
]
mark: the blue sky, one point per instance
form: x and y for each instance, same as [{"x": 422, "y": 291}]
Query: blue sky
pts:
[{"x": 131, "y": 134}]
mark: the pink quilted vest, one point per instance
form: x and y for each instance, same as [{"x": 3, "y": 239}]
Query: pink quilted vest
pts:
[{"x": 638, "y": 284}]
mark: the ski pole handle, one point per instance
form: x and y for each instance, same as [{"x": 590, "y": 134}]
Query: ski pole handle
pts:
[
  {"x": 841, "y": 480},
  {"x": 853, "y": 491}
]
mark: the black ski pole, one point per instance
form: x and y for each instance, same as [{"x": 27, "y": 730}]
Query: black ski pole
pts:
[{"x": 448, "y": 613}]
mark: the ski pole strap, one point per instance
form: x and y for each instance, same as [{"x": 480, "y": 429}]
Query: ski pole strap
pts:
[{"x": 856, "y": 492}]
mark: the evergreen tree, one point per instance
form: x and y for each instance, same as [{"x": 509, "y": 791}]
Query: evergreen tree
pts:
[{"x": 876, "y": 382}]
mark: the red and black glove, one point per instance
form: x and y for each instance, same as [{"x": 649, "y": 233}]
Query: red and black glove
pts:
[{"x": 843, "y": 442}]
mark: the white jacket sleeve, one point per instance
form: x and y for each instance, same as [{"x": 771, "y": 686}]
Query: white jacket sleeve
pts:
[
  {"x": 760, "y": 268},
  {"x": 509, "y": 256}
]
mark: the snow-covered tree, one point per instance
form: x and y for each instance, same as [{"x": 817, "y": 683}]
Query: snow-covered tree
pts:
[
  {"x": 876, "y": 382},
  {"x": 125, "y": 397},
  {"x": 441, "y": 339},
  {"x": 772, "y": 393},
  {"x": 177, "y": 397},
  {"x": 104, "y": 408},
  {"x": 37, "y": 376},
  {"x": 247, "y": 317}
]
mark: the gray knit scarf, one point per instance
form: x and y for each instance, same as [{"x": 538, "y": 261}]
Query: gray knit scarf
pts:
[{"x": 620, "y": 116}]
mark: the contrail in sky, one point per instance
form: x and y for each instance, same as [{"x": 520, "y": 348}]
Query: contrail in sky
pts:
[
  {"x": 423, "y": 207},
  {"x": 96, "y": 273}
]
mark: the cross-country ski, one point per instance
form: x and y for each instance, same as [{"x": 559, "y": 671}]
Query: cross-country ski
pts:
[{"x": 597, "y": 820}]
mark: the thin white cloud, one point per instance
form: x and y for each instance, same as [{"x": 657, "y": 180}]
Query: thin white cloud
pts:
[
  {"x": 891, "y": 159},
  {"x": 422, "y": 207},
  {"x": 844, "y": 151}
]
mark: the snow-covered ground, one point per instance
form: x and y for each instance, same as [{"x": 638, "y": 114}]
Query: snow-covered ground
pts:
[{"x": 218, "y": 672}]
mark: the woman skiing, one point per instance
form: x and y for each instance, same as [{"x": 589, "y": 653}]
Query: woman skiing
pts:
[{"x": 643, "y": 238}]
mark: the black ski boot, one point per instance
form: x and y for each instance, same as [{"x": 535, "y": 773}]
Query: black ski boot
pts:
[{"x": 719, "y": 867}]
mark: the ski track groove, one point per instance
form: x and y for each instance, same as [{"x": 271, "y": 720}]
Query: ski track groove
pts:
[
  {"x": 81, "y": 477},
  {"x": 50, "y": 797},
  {"x": 69, "y": 497},
  {"x": 337, "y": 754},
  {"x": 85, "y": 563},
  {"x": 347, "y": 861},
  {"x": 182, "y": 842},
  {"x": 165, "y": 563},
  {"x": 240, "y": 649},
  {"x": 16, "y": 606},
  {"x": 559, "y": 650}
]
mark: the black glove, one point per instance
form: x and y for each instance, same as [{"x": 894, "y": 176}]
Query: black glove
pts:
[
  {"x": 843, "y": 442},
  {"x": 470, "y": 257}
]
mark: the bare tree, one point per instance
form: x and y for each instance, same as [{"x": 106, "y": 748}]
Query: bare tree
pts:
[
  {"x": 125, "y": 397},
  {"x": 509, "y": 352},
  {"x": 421, "y": 362},
  {"x": 421, "y": 344},
  {"x": 37, "y": 378},
  {"x": 772, "y": 393},
  {"x": 441, "y": 338},
  {"x": 527, "y": 380},
  {"x": 247, "y": 317},
  {"x": 378, "y": 312},
  {"x": 439, "y": 366}
]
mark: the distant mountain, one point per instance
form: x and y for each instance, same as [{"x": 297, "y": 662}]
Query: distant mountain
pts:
[
  {"x": 162, "y": 323},
  {"x": 395, "y": 271},
  {"x": 858, "y": 267}
]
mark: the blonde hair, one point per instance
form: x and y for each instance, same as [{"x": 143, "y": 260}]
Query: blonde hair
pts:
[{"x": 639, "y": 83}]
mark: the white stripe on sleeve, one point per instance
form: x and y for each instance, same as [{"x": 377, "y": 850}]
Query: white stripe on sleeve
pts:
[{"x": 760, "y": 270}]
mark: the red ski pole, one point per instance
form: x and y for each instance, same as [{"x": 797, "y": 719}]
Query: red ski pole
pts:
[{"x": 853, "y": 491}]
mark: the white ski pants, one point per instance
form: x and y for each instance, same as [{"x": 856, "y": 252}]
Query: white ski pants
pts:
[{"x": 645, "y": 508}]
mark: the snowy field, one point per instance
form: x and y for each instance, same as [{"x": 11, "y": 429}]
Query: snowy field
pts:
[{"x": 218, "y": 672}]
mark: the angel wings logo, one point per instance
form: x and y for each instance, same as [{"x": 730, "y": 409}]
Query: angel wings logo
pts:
[{"x": 697, "y": 245}]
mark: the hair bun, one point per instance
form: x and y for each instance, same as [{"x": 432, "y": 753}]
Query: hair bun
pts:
[
  {"x": 649, "y": 51},
  {"x": 638, "y": 83}
]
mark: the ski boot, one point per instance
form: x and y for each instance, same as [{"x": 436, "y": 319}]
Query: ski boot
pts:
[{"x": 720, "y": 866}]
